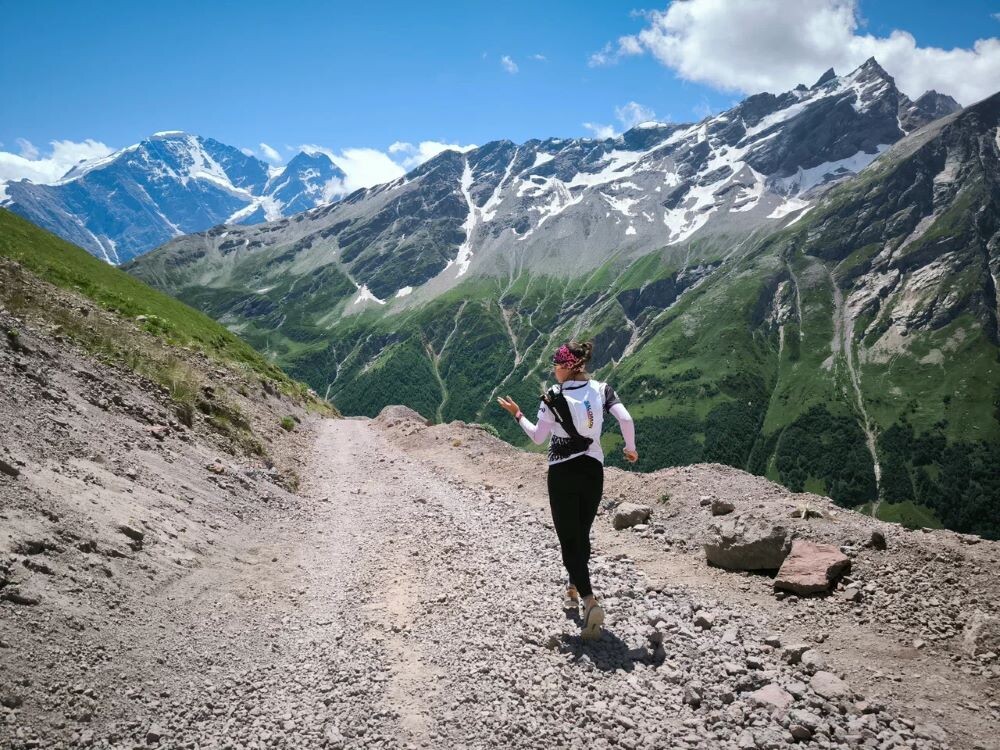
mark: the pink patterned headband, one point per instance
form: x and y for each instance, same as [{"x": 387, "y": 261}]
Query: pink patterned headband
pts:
[{"x": 564, "y": 356}]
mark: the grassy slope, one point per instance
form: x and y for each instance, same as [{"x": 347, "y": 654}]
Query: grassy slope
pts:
[{"x": 172, "y": 323}]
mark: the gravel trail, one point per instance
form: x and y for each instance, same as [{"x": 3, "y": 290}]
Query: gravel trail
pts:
[{"x": 400, "y": 607}]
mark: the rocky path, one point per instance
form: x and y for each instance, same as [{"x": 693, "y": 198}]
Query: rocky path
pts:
[{"x": 401, "y": 607}]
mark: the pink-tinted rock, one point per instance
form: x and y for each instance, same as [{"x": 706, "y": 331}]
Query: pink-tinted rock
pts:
[
  {"x": 811, "y": 568},
  {"x": 829, "y": 686},
  {"x": 771, "y": 696}
]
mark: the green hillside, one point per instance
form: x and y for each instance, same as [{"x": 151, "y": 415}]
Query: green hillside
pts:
[{"x": 149, "y": 332}]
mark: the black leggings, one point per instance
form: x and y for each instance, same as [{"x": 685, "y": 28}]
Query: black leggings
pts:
[{"x": 575, "y": 489}]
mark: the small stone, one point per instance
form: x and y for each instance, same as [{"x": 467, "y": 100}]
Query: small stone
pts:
[
  {"x": 981, "y": 634},
  {"x": 800, "y": 732},
  {"x": 17, "y": 595},
  {"x": 793, "y": 653},
  {"x": 772, "y": 697},
  {"x": 154, "y": 734},
  {"x": 722, "y": 507},
  {"x": 704, "y": 620},
  {"x": 630, "y": 514},
  {"x": 877, "y": 540},
  {"x": 829, "y": 686},
  {"x": 813, "y": 660},
  {"x": 7, "y": 467},
  {"x": 131, "y": 532},
  {"x": 691, "y": 696},
  {"x": 851, "y": 594}
]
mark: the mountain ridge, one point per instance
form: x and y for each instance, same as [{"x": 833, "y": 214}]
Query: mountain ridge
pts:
[{"x": 169, "y": 184}]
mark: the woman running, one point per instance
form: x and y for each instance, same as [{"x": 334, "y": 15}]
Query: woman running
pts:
[{"x": 572, "y": 412}]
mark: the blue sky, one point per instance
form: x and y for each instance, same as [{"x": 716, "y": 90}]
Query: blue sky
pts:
[{"x": 344, "y": 76}]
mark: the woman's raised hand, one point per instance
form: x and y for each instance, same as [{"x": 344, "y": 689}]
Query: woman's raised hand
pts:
[
  {"x": 509, "y": 404},
  {"x": 631, "y": 456}
]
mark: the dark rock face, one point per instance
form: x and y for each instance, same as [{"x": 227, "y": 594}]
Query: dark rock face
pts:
[
  {"x": 943, "y": 177},
  {"x": 929, "y": 107}
]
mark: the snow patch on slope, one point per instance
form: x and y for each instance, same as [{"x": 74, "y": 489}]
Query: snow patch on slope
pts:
[
  {"x": 364, "y": 294},
  {"x": 805, "y": 180}
]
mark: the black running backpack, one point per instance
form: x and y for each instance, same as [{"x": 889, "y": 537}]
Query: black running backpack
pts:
[{"x": 576, "y": 443}]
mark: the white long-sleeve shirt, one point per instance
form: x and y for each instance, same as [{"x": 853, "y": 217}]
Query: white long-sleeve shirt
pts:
[{"x": 589, "y": 400}]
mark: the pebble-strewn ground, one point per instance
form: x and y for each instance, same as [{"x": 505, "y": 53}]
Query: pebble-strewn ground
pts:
[{"x": 399, "y": 607}]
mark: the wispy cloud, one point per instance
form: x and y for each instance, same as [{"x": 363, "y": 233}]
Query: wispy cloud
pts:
[
  {"x": 366, "y": 167},
  {"x": 540, "y": 58},
  {"x": 30, "y": 163},
  {"x": 633, "y": 113},
  {"x": 28, "y": 150},
  {"x": 270, "y": 154},
  {"x": 409, "y": 156},
  {"x": 629, "y": 115},
  {"x": 601, "y": 132},
  {"x": 792, "y": 43},
  {"x": 508, "y": 64}
]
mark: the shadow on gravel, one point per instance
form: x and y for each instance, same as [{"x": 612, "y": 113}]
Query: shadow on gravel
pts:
[{"x": 607, "y": 654}]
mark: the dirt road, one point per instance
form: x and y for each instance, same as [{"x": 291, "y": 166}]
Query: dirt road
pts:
[{"x": 403, "y": 607}]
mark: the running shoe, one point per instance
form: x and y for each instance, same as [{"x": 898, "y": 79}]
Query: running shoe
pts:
[
  {"x": 571, "y": 599},
  {"x": 593, "y": 619}
]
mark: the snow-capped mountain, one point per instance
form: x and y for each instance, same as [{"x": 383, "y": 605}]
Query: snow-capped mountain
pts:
[
  {"x": 565, "y": 206},
  {"x": 170, "y": 184}
]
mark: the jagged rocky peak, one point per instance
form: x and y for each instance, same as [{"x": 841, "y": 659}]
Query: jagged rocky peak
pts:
[
  {"x": 828, "y": 75},
  {"x": 928, "y": 107}
]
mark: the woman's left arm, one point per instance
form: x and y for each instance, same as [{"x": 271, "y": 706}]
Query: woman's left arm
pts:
[{"x": 538, "y": 433}]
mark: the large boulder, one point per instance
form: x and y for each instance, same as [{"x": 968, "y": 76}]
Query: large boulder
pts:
[
  {"x": 981, "y": 634},
  {"x": 811, "y": 568},
  {"x": 741, "y": 544},
  {"x": 630, "y": 514}
]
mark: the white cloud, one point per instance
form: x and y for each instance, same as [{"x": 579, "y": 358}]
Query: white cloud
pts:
[
  {"x": 362, "y": 167},
  {"x": 508, "y": 64},
  {"x": 540, "y": 58},
  {"x": 996, "y": 16},
  {"x": 47, "y": 169},
  {"x": 409, "y": 156},
  {"x": 629, "y": 115},
  {"x": 248, "y": 151},
  {"x": 601, "y": 132},
  {"x": 633, "y": 113},
  {"x": 367, "y": 167},
  {"x": 28, "y": 150},
  {"x": 270, "y": 154},
  {"x": 708, "y": 41}
]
